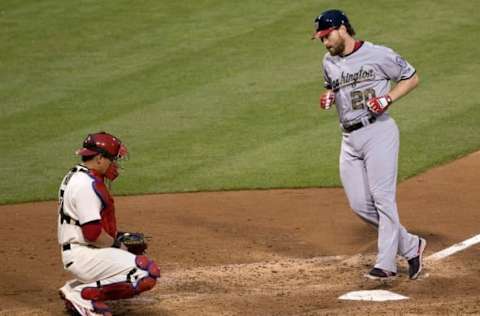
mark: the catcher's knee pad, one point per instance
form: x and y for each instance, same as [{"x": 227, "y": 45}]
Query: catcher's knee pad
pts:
[{"x": 148, "y": 282}]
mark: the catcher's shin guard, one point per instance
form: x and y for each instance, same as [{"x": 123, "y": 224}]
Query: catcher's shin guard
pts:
[
  {"x": 113, "y": 291},
  {"x": 123, "y": 290},
  {"x": 101, "y": 308}
]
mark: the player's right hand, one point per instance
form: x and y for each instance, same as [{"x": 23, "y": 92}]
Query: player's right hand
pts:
[
  {"x": 380, "y": 104},
  {"x": 327, "y": 99}
]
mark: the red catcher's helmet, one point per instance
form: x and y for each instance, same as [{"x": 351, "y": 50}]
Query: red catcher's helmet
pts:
[{"x": 103, "y": 143}]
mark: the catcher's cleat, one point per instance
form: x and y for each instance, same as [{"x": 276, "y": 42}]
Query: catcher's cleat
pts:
[
  {"x": 415, "y": 264},
  {"x": 68, "y": 305},
  {"x": 379, "y": 274},
  {"x": 99, "y": 307}
]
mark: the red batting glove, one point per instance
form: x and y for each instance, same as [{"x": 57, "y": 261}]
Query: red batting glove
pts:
[
  {"x": 380, "y": 104},
  {"x": 327, "y": 99}
]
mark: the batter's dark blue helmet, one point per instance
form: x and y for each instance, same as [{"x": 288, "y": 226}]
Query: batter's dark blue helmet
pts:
[{"x": 331, "y": 20}]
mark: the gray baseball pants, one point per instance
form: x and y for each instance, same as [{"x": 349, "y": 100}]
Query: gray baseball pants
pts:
[{"x": 368, "y": 170}]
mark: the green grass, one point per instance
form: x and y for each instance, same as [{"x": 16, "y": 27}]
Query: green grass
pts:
[{"x": 216, "y": 95}]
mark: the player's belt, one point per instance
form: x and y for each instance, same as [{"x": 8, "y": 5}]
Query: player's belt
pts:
[{"x": 354, "y": 127}]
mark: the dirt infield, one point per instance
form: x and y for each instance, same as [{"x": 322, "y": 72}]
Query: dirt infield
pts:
[{"x": 278, "y": 252}]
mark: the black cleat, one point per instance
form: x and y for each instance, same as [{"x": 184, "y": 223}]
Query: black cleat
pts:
[
  {"x": 379, "y": 274},
  {"x": 415, "y": 264}
]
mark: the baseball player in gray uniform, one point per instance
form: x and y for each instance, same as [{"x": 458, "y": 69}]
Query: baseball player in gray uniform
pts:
[{"x": 357, "y": 77}]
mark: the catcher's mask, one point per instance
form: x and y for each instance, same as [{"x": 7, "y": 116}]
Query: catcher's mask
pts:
[
  {"x": 331, "y": 20},
  {"x": 108, "y": 146}
]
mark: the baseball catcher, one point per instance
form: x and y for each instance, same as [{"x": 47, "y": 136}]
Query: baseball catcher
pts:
[{"x": 107, "y": 264}]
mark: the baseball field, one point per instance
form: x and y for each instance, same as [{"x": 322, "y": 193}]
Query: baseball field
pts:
[{"x": 233, "y": 169}]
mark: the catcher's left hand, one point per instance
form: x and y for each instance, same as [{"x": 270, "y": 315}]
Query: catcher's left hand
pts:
[{"x": 134, "y": 242}]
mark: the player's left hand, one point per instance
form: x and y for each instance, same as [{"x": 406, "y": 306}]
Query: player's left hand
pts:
[
  {"x": 380, "y": 104},
  {"x": 134, "y": 242}
]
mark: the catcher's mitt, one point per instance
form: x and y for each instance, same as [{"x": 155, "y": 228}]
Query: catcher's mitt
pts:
[{"x": 134, "y": 242}]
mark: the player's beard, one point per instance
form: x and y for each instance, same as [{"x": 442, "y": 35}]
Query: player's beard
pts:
[{"x": 337, "y": 49}]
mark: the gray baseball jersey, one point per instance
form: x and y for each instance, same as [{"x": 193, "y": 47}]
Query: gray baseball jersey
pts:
[{"x": 362, "y": 75}]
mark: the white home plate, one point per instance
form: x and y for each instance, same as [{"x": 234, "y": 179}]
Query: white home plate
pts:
[{"x": 373, "y": 295}]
